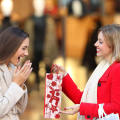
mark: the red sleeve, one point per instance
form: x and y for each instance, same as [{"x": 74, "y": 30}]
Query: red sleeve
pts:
[
  {"x": 71, "y": 90},
  {"x": 89, "y": 110}
]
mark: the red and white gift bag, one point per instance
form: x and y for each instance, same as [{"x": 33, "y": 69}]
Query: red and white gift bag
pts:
[{"x": 52, "y": 101}]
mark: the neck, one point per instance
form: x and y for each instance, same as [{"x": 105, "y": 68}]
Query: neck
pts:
[
  {"x": 7, "y": 63},
  {"x": 109, "y": 58}
]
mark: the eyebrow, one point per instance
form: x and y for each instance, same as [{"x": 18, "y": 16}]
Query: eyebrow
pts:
[
  {"x": 25, "y": 46},
  {"x": 99, "y": 39}
]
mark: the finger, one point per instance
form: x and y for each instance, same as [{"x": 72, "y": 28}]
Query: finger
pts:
[
  {"x": 15, "y": 70},
  {"x": 62, "y": 69},
  {"x": 67, "y": 112},
  {"x": 27, "y": 75},
  {"x": 18, "y": 68},
  {"x": 28, "y": 71},
  {"x": 58, "y": 68},
  {"x": 54, "y": 68},
  {"x": 68, "y": 108},
  {"x": 27, "y": 61},
  {"x": 25, "y": 67}
]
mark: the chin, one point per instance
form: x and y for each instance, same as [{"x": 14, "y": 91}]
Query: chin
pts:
[
  {"x": 99, "y": 55},
  {"x": 15, "y": 63}
]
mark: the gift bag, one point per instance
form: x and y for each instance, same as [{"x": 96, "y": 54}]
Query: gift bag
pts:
[
  {"x": 52, "y": 101},
  {"x": 111, "y": 116}
]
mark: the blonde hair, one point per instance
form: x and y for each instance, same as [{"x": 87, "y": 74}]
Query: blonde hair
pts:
[{"x": 112, "y": 36}]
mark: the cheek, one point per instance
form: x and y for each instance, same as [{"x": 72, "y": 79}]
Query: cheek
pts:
[
  {"x": 108, "y": 50},
  {"x": 18, "y": 52}
]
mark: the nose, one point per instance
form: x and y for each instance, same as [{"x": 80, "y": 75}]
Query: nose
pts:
[
  {"x": 26, "y": 53},
  {"x": 96, "y": 44}
]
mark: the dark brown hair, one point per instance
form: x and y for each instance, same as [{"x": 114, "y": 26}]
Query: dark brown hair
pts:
[{"x": 10, "y": 40}]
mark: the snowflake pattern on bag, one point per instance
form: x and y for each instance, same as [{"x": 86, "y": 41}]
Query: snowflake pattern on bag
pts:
[{"x": 52, "y": 101}]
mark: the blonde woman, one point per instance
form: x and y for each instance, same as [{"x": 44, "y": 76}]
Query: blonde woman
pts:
[{"x": 103, "y": 86}]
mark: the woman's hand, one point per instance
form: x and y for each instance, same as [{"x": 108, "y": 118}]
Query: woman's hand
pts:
[
  {"x": 58, "y": 69},
  {"x": 21, "y": 74},
  {"x": 71, "y": 110}
]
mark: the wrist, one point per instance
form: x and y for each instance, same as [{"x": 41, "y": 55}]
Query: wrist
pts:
[
  {"x": 23, "y": 86},
  {"x": 17, "y": 83},
  {"x": 65, "y": 74}
]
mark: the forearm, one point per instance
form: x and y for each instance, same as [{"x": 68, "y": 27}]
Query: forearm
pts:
[
  {"x": 71, "y": 90},
  {"x": 22, "y": 103},
  {"x": 10, "y": 98}
]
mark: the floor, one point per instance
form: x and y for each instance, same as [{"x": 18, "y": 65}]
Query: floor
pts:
[{"x": 35, "y": 107}]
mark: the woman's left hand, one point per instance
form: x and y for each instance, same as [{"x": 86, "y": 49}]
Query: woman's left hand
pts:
[{"x": 71, "y": 110}]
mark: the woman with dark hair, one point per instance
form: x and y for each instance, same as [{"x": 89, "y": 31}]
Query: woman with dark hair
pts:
[{"x": 14, "y": 44}]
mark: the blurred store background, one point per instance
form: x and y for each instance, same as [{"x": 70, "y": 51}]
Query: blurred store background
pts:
[{"x": 61, "y": 32}]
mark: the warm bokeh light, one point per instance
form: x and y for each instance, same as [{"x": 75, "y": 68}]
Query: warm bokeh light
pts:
[
  {"x": 39, "y": 6},
  {"x": 6, "y": 7}
]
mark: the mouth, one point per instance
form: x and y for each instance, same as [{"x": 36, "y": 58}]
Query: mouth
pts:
[
  {"x": 20, "y": 59},
  {"x": 98, "y": 50}
]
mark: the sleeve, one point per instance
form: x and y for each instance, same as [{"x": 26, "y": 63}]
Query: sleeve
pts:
[
  {"x": 22, "y": 103},
  {"x": 10, "y": 98},
  {"x": 71, "y": 90},
  {"x": 113, "y": 106},
  {"x": 89, "y": 110}
]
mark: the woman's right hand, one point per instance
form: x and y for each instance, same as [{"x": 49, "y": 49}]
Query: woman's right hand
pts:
[
  {"x": 22, "y": 73},
  {"x": 58, "y": 69},
  {"x": 71, "y": 110}
]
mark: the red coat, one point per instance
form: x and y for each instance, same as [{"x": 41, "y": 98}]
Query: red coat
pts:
[{"x": 108, "y": 92}]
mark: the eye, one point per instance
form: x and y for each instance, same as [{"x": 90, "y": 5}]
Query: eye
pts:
[
  {"x": 24, "y": 48},
  {"x": 100, "y": 42}
]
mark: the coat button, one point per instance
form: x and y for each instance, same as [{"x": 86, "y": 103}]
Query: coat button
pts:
[
  {"x": 88, "y": 116},
  {"x": 99, "y": 84}
]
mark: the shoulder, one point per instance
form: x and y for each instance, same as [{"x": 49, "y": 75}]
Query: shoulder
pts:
[
  {"x": 2, "y": 67},
  {"x": 2, "y": 70},
  {"x": 1, "y": 75},
  {"x": 115, "y": 67}
]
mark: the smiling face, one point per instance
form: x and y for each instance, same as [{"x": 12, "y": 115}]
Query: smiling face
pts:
[
  {"x": 103, "y": 49},
  {"x": 20, "y": 53}
]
